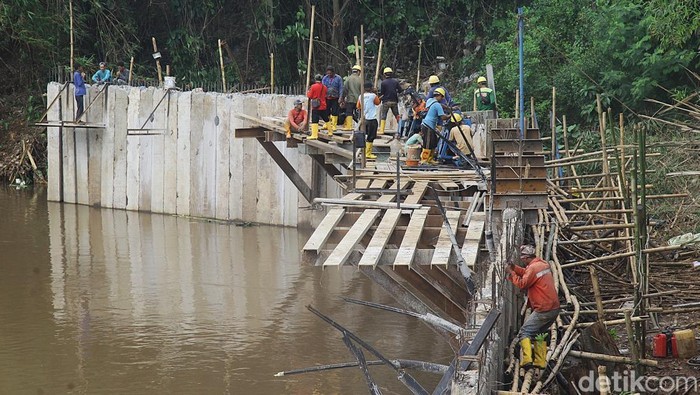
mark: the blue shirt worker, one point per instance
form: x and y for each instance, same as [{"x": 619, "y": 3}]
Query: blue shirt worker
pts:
[
  {"x": 103, "y": 75},
  {"x": 79, "y": 83},
  {"x": 435, "y": 113},
  {"x": 334, "y": 83},
  {"x": 369, "y": 103},
  {"x": 415, "y": 139},
  {"x": 434, "y": 82}
]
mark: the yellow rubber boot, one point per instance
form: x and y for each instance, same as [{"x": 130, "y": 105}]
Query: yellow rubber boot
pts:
[
  {"x": 288, "y": 129},
  {"x": 424, "y": 156},
  {"x": 525, "y": 352},
  {"x": 382, "y": 125},
  {"x": 540, "y": 354},
  {"x": 348, "y": 123},
  {"x": 314, "y": 132},
  {"x": 432, "y": 158},
  {"x": 333, "y": 124},
  {"x": 368, "y": 151}
]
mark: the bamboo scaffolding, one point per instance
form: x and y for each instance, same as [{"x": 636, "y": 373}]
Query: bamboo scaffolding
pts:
[
  {"x": 379, "y": 63},
  {"x": 155, "y": 51},
  {"x": 612, "y": 358}
]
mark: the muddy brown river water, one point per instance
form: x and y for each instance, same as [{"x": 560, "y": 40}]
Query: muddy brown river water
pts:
[{"x": 97, "y": 301}]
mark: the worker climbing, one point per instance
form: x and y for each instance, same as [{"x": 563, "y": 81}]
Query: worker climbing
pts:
[{"x": 536, "y": 278}]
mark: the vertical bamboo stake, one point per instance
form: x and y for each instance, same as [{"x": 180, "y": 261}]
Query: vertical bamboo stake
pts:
[
  {"x": 566, "y": 131},
  {"x": 272, "y": 73},
  {"x": 630, "y": 335},
  {"x": 167, "y": 70},
  {"x": 596, "y": 293},
  {"x": 357, "y": 52},
  {"x": 603, "y": 380},
  {"x": 363, "y": 160},
  {"x": 311, "y": 48},
  {"x": 379, "y": 62},
  {"x": 221, "y": 66},
  {"x": 554, "y": 123},
  {"x": 72, "y": 46},
  {"x": 160, "y": 71},
  {"x": 420, "y": 51},
  {"x": 603, "y": 147},
  {"x": 131, "y": 69},
  {"x": 532, "y": 111},
  {"x": 622, "y": 148},
  {"x": 517, "y": 103}
]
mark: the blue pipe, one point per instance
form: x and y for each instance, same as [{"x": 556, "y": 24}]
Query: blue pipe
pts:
[{"x": 521, "y": 29}]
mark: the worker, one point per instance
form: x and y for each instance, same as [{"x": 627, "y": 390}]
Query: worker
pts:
[
  {"x": 368, "y": 103},
  {"x": 79, "y": 82},
  {"x": 536, "y": 278},
  {"x": 296, "y": 119},
  {"x": 351, "y": 93},
  {"x": 334, "y": 86},
  {"x": 317, "y": 94},
  {"x": 103, "y": 75},
  {"x": 484, "y": 98},
  {"x": 461, "y": 134},
  {"x": 418, "y": 109},
  {"x": 434, "y": 82},
  {"x": 389, "y": 91},
  {"x": 434, "y": 114},
  {"x": 122, "y": 74},
  {"x": 416, "y": 138}
]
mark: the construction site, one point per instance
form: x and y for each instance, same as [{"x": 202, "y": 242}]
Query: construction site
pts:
[{"x": 452, "y": 239}]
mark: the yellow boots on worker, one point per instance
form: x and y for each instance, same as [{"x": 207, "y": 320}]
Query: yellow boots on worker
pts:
[
  {"x": 525, "y": 352},
  {"x": 368, "y": 151},
  {"x": 540, "y": 354},
  {"x": 314, "y": 132},
  {"x": 382, "y": 125},
  {"x": 288, "y": 129},
  {"x": 333, "y": 124},
  {"x": 348, "y": 123},
  {"x": 425, "y": 156}
]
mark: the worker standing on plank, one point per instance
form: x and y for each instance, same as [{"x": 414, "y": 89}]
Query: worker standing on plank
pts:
[
  {"x": 334, "y": 86},
  {"x": 369, "y": 103},
  {"x": 351, "y": 93},
  {"x": 536, "y": 278},
  {"x": 484, "y": 98},
  {"x": 434, "y": 82},
  {"x": 317, "y": 94},
  {"x": 79, "y": 82},
  {"x": 389, "y": 94},
  {"x": 296, "y": 119},
  {"x": 103, "y": 75},
  {"x": 435, "y": 113}
]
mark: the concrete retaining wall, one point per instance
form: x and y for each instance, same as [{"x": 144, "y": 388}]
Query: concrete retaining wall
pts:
[{"x": 194, "y": 168}]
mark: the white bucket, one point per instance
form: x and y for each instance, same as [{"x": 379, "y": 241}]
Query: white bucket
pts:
[{"x": 169, "y": 83}]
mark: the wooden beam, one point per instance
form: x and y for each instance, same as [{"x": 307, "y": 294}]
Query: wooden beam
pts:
[
  {"x": 324, "y": 230},
  {"x": 418, "y": 190},
  {"x": 342, "y": 251},
  {"x": 288, "y": 169},
  {"x": 443, "y": 247},
  {"x": 410, "y": 240},
  {"x": 475, "y": 231},
  {"x": 375, "y": 248},
  {"x": 244, "y": 133}
]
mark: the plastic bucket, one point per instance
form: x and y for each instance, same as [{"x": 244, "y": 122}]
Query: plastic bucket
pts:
[
  {"x": 169, "y": 83},
  {"x": 413, "y": 155}
]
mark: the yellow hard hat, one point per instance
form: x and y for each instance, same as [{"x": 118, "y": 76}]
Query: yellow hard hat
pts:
[
  {"x": 433, "y": 79},
  {"x": 457, "y": 117},
  {"x": 439, "y": 91},
  {"x": 388, "y": 70},
  {"x": 357, "y": 67},
  {"x": 480, "y": 80}
]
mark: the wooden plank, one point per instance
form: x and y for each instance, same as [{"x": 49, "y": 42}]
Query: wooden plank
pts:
[
  {"x": 418, "y": 189},
  {"x": 342, "y": 251},
  {"x": 410, "y": 240},
  {"x": 379, "y": 184},
  {"x": 381, "y": 235},
  {"x": 475, "y": 231},
  {"x": 324, "y": 230},
  {"x": 449, "y": 185},
  {"x": 363, "y": 183},
  {"x": 443, "y": 248}
]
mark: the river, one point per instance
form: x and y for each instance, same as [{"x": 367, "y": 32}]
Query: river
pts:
[{"x": 98, "y": 301}]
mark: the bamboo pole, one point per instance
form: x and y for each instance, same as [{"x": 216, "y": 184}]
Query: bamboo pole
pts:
[
  {"x": 379, "y": 62},
  {"x": 221, "y": 66},
  {"x": 420, "y": 51},
  {"x": 532, "y": 111},
  {"x": 554, "y": 123},
  {"x": 631, "y": 335},
  {"x": 601, "y": 128},
  {"x": 517, "y": 103},
  {"x": 311, "y": 48},
  {"x": 596, "y": 293},
  {"x": 565, "y": 130},
  {"x": 357, "y": 52},
  {"x": 131, "y": 69},
  {"x": 611, "y": 358},
  {"x": 72, "y": 45},
  {"x": 604, "y": 380},
  {"x": 363, "y": 159},
  {"x": 155, "y": 50},
  {"x": 167, "y": 70},
  {"x": 616, "y": 256},
  {"x": 272, "y": 73}
]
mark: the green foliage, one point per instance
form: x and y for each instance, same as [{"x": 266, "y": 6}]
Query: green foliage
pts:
[{"x": 613, "y": 333}]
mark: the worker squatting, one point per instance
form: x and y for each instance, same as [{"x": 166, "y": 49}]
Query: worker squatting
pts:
[{"x": 421, "y": 117}]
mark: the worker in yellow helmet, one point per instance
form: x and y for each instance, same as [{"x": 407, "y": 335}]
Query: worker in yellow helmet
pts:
[
  {"x": 352, "y": 88},
  {"x": 484, "y": 98},
  {"x": 434, "y": 114},
  {"x": 434, "y": 82},
  {"x": 389, "y": 94}
]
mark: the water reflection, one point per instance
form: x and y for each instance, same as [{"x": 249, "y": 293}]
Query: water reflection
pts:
[{"x": 96, "y": 300}]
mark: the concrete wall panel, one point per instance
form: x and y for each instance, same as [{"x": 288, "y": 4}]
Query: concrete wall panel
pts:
[
  {"x": 160, "y": 118},
  {"x": 223, "y": 132},
  {"x": 170, "y": 165},
  {"x": 145, "y": 149},
  {"x": 184, "y": 106},
  {"x": 96, "y": 115},
  {"x": 69, "y": 174},
  {"x": 82, "y": 153},
  {"x": 119, "y": 118},
  {"x": 133, "y": 143},
  {"x": 53, "y": 134}
]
